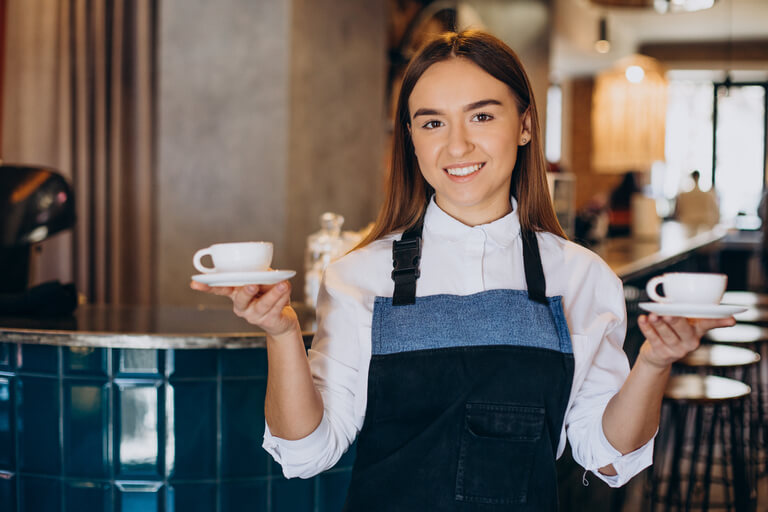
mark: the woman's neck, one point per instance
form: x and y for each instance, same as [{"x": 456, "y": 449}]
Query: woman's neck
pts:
[{"x": 476, "y": 216}]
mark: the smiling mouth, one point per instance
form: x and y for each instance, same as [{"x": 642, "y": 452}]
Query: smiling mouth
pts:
[{"x": 464, "y": 171}]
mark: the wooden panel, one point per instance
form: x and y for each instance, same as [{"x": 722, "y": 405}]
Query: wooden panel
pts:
[
  {"x": 623, "y": 3},
  {"x": 578, "y": 130},
  {"x": 707, "y": 51}
]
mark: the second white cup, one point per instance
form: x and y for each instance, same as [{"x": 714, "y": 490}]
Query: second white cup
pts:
[
  {"x": 235, "y": 257},
  {"x": 688, "y": 287}
]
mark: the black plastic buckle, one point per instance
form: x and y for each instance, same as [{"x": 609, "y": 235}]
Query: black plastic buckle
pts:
[{"x": 406, "y": 254}]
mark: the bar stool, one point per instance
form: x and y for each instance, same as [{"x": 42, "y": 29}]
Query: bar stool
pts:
[
  {"x": 753, "y": 315},
  {"x": 700, "y": 398},
  {"x": 740, "y": 364},
  {"x": 724, "y": 360},
  {"x": 746, "y": 299},
  {"x": 754, "y": 337}
]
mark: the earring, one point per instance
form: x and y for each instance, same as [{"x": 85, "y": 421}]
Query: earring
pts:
[{"x": 525, "y": 139}]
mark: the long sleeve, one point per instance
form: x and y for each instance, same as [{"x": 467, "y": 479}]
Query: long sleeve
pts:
[
  {"x": 335, "y": 360},
  {"x": 602, "y": 368}
]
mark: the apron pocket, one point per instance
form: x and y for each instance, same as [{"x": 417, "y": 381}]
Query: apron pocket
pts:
[{"x": 498, "y": 446}]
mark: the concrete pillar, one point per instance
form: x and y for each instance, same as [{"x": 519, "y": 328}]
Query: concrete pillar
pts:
[{"x": 270, "y": 112}]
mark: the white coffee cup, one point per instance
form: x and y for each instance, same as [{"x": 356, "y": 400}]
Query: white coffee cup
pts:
[
  {"x": 688, "y": 287},
  {"x": 235, "y": 257}
]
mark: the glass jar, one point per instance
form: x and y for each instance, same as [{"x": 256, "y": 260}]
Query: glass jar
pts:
[{"x": 323, "y": 247}]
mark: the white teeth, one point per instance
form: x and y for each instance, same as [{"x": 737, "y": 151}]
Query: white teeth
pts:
[{"x": 464, "y": 171}]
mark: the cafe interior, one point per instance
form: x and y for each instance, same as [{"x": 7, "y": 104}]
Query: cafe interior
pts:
[{"x": 133, "y": 134}]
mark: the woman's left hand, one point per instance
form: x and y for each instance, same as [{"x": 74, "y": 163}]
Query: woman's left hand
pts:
[{"x": 669, "y": 338}]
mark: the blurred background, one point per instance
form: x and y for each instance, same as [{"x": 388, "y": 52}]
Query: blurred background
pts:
[{"x": 181, "y": 123}]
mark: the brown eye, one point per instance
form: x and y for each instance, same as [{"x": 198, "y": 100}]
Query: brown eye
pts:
[
  {"x": 482, "y": 117},
  {"x": 430, "y": 125}
]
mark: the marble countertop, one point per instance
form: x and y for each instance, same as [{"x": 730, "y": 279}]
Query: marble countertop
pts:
[
  {"x": 632, "y": 257},
  {"x": 146, "y": 327}
]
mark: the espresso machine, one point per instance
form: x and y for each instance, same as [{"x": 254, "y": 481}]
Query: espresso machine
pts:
[{"x": 35, "y": 203}]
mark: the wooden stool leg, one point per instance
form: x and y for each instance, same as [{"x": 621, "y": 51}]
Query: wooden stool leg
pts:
[
  {"x": 692, "y": 471},
  {"x": 710, "y": 456},
  {"x": 673, "y": 486},
  {"x": 661, "y": 459},
  {"x": 762, "y": 413},
  {"x": 741, "y": 486}
]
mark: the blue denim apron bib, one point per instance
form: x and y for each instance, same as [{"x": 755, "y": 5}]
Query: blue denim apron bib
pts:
[{"x": 466, "y": 397}]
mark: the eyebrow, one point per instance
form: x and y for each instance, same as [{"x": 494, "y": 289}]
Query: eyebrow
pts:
[{"x": 467, "y": 108}]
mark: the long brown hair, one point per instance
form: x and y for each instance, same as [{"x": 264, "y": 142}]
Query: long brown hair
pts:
[{"x": 407, "y": 192}]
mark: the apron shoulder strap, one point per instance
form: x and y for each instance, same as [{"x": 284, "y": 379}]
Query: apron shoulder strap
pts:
[
  {"x": 534, "y": 272},
  {"x": 406, "y": 256}
]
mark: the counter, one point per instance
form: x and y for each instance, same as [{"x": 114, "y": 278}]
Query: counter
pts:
[
  {"x": 631, "y": 258},
  {"x": 146, "y": 327},
  {"x": 144, "y": 409},
  {"x": 160, "y": 409}
]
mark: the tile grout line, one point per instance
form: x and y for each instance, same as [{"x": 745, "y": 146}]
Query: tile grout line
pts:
[
  {"x": 16, "y": 392},
  {"x": 111, "y": 425},
  {"x": 219, "y": 441},
  {"x": 63, "y": 470}
]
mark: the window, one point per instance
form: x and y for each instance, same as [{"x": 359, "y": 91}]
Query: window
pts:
[
  {"x": 554, "y": 123},
  {"x": 740, "y": 148},
  {"x": 718, "y": 130}
]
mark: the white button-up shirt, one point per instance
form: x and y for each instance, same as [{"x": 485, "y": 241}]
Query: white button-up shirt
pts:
[{"x": 462, "y": 260}]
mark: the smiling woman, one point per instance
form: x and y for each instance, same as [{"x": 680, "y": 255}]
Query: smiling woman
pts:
[{"x": 466, "y": 340}]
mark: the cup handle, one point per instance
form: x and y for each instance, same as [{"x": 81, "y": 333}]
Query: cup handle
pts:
[
  {"x": 196, "y": 261},
  {"x": 650, "y": 289}
]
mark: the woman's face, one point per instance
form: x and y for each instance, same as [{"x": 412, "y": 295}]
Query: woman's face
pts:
[{"x": 466, "y": 130}]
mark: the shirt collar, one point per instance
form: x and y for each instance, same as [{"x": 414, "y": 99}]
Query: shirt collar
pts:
[{"x": 502, "y": 231}]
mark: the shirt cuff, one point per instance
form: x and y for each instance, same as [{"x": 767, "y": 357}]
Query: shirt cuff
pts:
[
  {"x": 294, "y": 455},
  {"x": 627, "y": 465}
]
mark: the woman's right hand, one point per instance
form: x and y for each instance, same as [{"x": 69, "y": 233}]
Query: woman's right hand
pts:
[{"x": 266, "y": 306}]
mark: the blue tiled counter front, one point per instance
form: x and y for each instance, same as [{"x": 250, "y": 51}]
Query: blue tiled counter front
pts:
[{"x": 100, "y": 428}]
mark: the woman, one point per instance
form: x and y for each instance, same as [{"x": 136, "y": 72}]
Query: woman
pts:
[{"x": 462, "y": 370}]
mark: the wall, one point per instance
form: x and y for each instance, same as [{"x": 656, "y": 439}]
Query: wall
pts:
[
  {"x": 337, "y": 131},
  {"x": 270, "y": 113},
  {"x": 577, "y": 142}
]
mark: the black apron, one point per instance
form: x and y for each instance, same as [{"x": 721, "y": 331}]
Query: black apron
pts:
[{"x": 466, "y": 396}]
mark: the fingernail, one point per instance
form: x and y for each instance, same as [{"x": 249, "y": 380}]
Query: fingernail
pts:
[
  {"x": 251, "y": 289},
  {"x": 282, "y": 286}
]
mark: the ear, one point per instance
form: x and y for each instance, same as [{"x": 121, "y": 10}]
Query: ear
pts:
[{"x": 525, "y": 128}]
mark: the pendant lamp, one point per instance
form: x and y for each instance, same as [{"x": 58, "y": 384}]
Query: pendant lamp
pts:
[{"x": 629, "y": 107}]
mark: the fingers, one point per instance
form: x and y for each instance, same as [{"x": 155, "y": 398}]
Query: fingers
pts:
[
  {"x": 669, "y": 329},
  {"x": 257, "y": 303},
  {"x": 199, "y": 286},
  {"x": 215, "y": 290},
  {"x": 242, "y": 297},
  {"x": 670, "y": 338},
  {"x": 647, "y": 325},
  {"x": 704, "y": 324}
]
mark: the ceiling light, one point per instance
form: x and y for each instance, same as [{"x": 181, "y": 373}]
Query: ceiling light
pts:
[
  {"x": 602, "y": 45},
  {"x": 634, "y": 74},
  {"x": 628, "y": 119},
  {"x": 661, "y": 6}
]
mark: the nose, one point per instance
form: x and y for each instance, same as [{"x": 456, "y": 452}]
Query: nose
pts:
[{"x": 459, "y": 143}]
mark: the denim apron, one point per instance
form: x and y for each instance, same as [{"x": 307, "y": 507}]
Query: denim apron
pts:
[{"x": 466, "y": 396}]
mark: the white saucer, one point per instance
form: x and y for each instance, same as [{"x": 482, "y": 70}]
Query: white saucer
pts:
[
  {"x": 692, "y": 310},
  {"x": 244, "y": 278}
]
